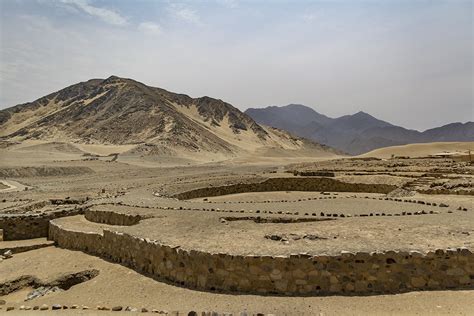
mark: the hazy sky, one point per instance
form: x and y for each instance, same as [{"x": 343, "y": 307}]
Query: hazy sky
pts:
[{"x": 407, "y": 62}]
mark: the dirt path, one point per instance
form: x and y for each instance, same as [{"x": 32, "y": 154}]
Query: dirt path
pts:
[{"x": 11, "y": 186}]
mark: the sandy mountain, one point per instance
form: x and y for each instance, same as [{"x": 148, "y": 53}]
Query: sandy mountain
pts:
[
  {"x": 357, "y": 133},
  {"x": 118, "y": 111}
]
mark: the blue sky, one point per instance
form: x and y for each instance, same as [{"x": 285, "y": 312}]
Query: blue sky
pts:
[{"x": 407, "y": 62}]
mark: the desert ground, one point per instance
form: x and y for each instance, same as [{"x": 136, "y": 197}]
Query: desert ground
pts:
[{"x": 55, "y": 195}]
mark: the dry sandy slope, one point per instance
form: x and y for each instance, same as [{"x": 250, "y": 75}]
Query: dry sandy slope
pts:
[
  {"x": 145, "y": 121},
  {"x": 40, "y": 152},
  {"x": 117, "y": 285},
  {"x": 420, "y": 150}
]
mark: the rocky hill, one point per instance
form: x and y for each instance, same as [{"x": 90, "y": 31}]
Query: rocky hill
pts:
[
  {"x": 118, "y": 111},
  {"x": 357, "y": 133}
]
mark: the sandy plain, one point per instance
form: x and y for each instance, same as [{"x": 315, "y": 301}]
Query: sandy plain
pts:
[{"x": 146, "y": 186}]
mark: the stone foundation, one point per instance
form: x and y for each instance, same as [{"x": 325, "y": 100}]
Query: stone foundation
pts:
[
  {"x": 301, "y": 274},
  {"x": 288, "y": 184},
  {"x": 18, "y": 227},
  {"x": 112, "y": 218},
  {"x": 314, "y": 173},
  {"x": 447, "y": 191}
]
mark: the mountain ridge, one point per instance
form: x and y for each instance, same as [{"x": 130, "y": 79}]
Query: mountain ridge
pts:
[
  {"x": 121, "y": 111},
  {"x": 355, "y": 133}
]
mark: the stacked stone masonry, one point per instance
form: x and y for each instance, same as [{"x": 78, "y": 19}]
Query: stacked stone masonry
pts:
[
  {"x": 112, "y": 218},
  {"x": 19, "y": 227},
  {"x": 288, "y": 184},
  {"x": 301, "y": 274}
]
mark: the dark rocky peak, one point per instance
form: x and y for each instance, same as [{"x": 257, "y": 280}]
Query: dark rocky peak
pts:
[{"x": 114, "y": 79}]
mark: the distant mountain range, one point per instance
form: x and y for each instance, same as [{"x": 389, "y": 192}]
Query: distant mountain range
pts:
[
  {"x": 354, "y": 134},
  {"x": 120, "y": 111}
]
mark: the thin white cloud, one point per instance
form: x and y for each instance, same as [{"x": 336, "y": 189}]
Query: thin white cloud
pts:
[
  {"x": 149, "y": 27},
  {"x": 308, "y": 17},
  {"x": 231, "y": 4},
  {"x": 419, "y": 64},
  {"x": 106, "y": 15},
  {"x": 184, "y": 13}
]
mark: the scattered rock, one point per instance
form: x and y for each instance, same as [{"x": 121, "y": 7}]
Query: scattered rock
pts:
[
  {"x": 401, "y": 192},
  {"x": 41, "y": 291},
  {"x": 285, "y": 238},
  {"x": 103, "y": 308},
  {"x": 131, "y": 309}
]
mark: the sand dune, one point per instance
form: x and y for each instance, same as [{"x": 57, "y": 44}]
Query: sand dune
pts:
[{"x": 420, "y": 150}]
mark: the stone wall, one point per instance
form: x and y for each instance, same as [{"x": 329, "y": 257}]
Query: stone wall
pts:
[
  {"x": 18, "y": 227},
  {"x": 345, "y": 274},
  {"x": 314, "y": 173},
  {"x": 447, "y": 191},
  {"x": 288, "y": 184},
  {"x": 37, "y": 205},
  {"x": 112, "y": 218}
]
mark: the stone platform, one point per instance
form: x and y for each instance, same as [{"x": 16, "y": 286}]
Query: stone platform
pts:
[{"x": 400, "y": 246}]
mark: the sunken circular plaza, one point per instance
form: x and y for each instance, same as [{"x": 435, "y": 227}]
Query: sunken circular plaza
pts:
[{"x": 273, "y": 240}]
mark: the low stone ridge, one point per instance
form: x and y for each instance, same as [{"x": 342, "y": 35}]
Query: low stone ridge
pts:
[
  {"x": 276, "y": 220},
  {"x": 57, "y": 307},
  {"x": 24, "y": 245},
  {"x": 104, "y": 217},
  {"x": 299, "y": 274},
  {"x": 287, "y": 184},
  {"x": 113, "y": 218},
  {"x": 315, "y": 173}
]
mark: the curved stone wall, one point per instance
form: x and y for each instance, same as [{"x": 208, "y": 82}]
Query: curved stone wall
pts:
[
  {"x": 112, "y": 218},
  {"x": 288, "y": 184},
  {"x": 347, "y": 273}
]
